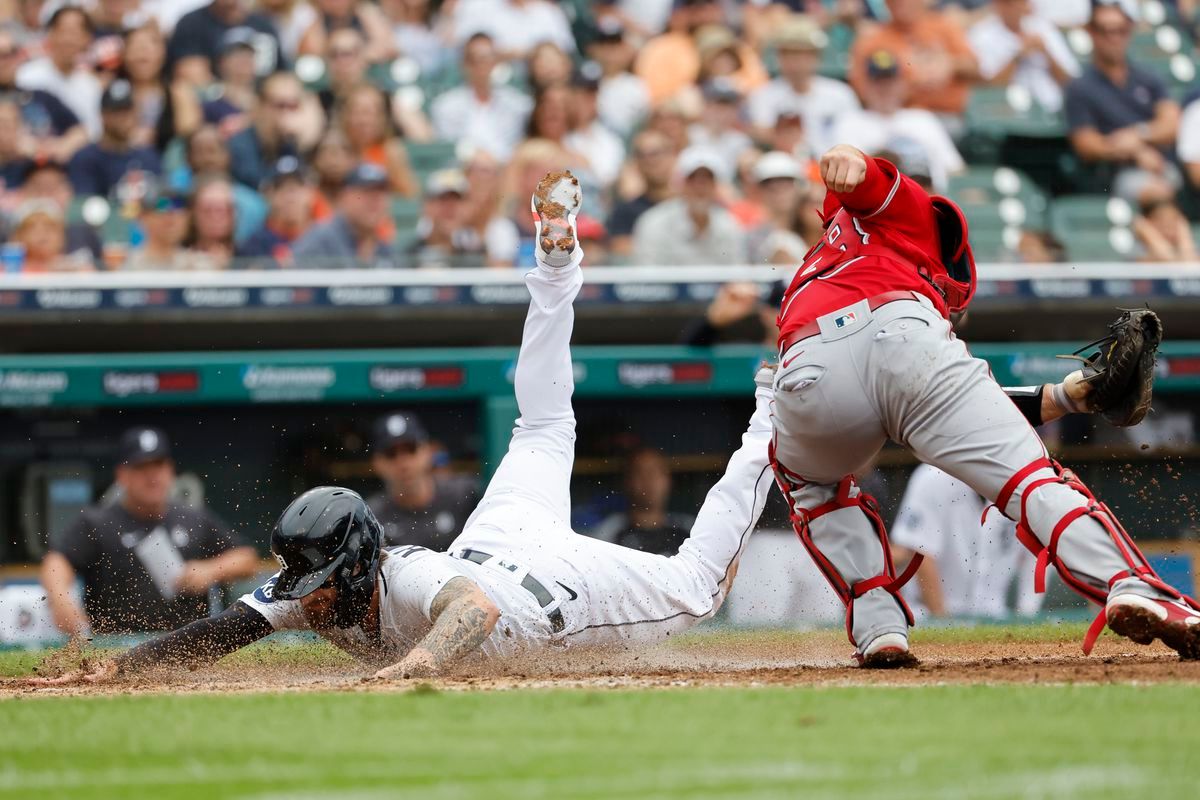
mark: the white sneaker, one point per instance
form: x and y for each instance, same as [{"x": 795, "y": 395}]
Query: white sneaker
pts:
[
  {"x": 887, "y": 651},
  {"x": 555, "y": 204},
  {"x": 1141, "y": 619}
]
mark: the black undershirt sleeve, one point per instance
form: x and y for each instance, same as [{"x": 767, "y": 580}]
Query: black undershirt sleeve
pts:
[
  {"x": 200, "y": 642},
  {"x": 1028, "y": 400}
]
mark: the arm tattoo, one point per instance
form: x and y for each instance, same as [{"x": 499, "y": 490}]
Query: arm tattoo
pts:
[{"x": 460, "y": 624}]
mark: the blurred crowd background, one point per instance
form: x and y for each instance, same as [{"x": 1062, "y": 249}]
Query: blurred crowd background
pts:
[{"x": 198, "y": 135}]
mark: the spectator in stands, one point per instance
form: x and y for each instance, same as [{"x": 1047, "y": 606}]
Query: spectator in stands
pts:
[
  {"x": 54, "y": 130},
  {"x": 799, "y": 90},
  {"x": 416, "y": 506},
  {"x": 717, "y": 129},
  {"x": 164, "y": 222},
  {"x": 647, "y": 524},
  {"x": 733, "y": 304},
  {"x": 366, "y": 18},
  {"x": 884, "y": 120},
  {"x": 346, "y": 67},
  {"x": 363, "y": 117},
  {"x": 62, "y": 72},
  {"x": 40, "y": 228},
  {"x": 692, "y": 229},
  {"x": 48, "y": 181},
  {"x": 163, "y": 109},
  {"x": 548, "y": 65},
  {"x": 212, "y": 223},
  {"x": 589, "y": 136},
  {"x": 516, "y": 26},
  {"x": 780, "y": 181},
  {"x": 482, "y": 214},
  {"x": 743, "y": 197},
  {"x": 1120, "y": 114},
  {"x": 332, "y": 161},
  {"x": 673, "y": 118},
  {"x": 551, "y": 120},
  {"x": 419, "y": 32},
  {"x": 933, "y": 51},
  {"x": 292, "y": 19},
  {"x": 25, "y": 25},
  {"x": 207, "y": 155},
  {"x": 196, "y": 41},
  {"x": 351, "y": 236},
  {"x": 673, "y": 61},
  {"x": 1016, "y": 47},
  {"x": 1161, "y": 229},
  {"x": 16, "y": 145},
  {"x": 146, "y": 561},
  {"x": 230, "y": 102},
  {"x": 289, "y": 194},
  {"x": 623, "y": 100},
  {"x": 483, "y": 115},
  {"x": 287, "y": 121},
  {"x": 442, "y": 240},
  {"x": 1189, "y": 141},
  {"x": 103, "y": 165},
  {"x": 654, "y": 165}
]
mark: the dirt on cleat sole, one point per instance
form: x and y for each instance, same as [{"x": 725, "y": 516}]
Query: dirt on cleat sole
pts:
[
  {"x": 890, "y": 659},
  {"x": 1141, "y": 626},
  {"x": 556, "y": 196}
]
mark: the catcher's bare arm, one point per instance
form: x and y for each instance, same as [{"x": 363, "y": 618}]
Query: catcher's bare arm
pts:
[{"x": 462, "y": 617}]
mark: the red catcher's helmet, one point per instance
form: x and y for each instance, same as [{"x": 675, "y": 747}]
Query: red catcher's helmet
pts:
[{"x": 957, "y": 283}]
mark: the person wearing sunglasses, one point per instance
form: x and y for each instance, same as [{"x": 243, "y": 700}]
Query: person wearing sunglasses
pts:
[{"x": 164, "y": 223}]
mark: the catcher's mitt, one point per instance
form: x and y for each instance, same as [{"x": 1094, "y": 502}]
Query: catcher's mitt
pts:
[{"x": 1121, "y": 372}]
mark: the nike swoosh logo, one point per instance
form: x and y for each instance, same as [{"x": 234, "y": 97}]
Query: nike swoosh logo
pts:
[
  {"x": 786, "y": 363},
  {"x": 570, "y": 591}
]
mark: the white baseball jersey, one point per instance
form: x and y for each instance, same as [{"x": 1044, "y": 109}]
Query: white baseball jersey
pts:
[
  {"x": 606, "y": 593},
  {"x": 978, "y": 564}
]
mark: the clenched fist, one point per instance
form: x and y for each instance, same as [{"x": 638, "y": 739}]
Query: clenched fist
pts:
[{"x": 843, "y": 168}]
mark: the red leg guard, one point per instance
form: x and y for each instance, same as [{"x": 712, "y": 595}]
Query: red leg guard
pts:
[
  {"x": 848, "y": 495},
  {"x": 1139, "y": 567}
]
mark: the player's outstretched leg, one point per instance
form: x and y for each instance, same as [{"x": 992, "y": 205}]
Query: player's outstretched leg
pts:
[{"x": 541, "y": 453}]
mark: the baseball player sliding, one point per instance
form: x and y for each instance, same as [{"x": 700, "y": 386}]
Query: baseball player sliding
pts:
[
  {"x": 867, "y": 353},
  {"x": 517, "y": 578}
]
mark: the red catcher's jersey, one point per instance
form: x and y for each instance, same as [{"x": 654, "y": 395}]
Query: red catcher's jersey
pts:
[{"x": 878, "y": 238}]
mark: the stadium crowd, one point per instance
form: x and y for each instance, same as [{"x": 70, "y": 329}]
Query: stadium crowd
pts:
[{"x": 216, "y": 134}]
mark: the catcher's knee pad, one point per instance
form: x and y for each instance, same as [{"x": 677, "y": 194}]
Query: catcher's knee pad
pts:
[
  {"x": 847, "y": 495},
  {"x": 1043, "y": 540}
]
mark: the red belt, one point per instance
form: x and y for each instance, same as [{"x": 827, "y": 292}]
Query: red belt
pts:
[{"x": 812, "y": 328}]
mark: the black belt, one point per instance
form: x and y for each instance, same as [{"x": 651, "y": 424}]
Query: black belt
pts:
[{"x": 529, "y": 584}]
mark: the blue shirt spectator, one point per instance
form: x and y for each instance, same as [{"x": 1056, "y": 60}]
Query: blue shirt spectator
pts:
[
  {"x": 351, "y": 237},
  {"x": 98, "y": 168}
]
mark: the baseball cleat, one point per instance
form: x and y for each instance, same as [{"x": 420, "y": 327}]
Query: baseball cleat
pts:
[
  {"x": 887, "y": 651},
  {"x": 1143, "y": 620},
  {"x": 555, "y": 204}
]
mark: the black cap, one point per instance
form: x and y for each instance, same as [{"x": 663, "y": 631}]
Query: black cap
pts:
[
  {"x": 118, "y": 96},
  {"x": 882, "y": 64},
  {"x": 142, "y": 444},
  {"x": 587, "y": 76},
  {"x": 367, "y": 176},
  {"x": 235, "y": 38},
  {"x": 400, "y": 427},
  {"x": 287, "y": 167},
  {"x": 721, "y": 90}
]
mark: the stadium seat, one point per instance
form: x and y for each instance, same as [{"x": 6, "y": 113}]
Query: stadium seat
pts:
[
  {"x": 427, "y": 157},
  {"x": 405, "y": 212},
  {"x": 1093, "y": 227},
  {"x": 997, "y": 112}
]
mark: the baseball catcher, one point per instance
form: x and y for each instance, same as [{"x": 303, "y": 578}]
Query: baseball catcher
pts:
[
  {"x": 517, "y": 578},
  {"x": 867, "y": 354}
]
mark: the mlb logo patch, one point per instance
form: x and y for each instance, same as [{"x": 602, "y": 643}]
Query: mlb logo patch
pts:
[{"x": 845, "y": 320}]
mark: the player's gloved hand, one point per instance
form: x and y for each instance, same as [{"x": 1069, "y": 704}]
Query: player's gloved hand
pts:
[
  {"x": 96, "y": 672},
  {"x": 1120, "y": 373},
  {"x": 843, "y": 168}
]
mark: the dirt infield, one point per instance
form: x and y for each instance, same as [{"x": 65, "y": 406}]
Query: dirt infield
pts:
[{"x": 820, "y": 659}]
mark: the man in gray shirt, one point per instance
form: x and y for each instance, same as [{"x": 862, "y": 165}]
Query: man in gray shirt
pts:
[
  {"x": 351, "y": 237},
  {"x": 417, "y": 506},
  {"x": 692, "y": 229}
]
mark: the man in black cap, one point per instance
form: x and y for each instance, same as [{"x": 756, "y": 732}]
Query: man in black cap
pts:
[
  {"x": 289, "y": 192},
  {"x": 416, "y": 507},
  {"x": 236, "y": 93},
  {"x": 99, "y": 167},
  {"x": 351, "y": 238},
  {"x": 146, "y": 562},
  {"x": 164, "y": 221}
]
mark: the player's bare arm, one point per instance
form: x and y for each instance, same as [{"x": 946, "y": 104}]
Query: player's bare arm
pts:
[{"x": 463, "y": 617}]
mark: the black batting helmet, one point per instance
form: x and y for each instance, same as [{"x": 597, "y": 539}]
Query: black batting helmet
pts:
[{"x": 328, "y": 536}]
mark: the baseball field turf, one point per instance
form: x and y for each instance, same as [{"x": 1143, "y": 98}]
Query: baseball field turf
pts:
[{"x": 1128, "y": 726}]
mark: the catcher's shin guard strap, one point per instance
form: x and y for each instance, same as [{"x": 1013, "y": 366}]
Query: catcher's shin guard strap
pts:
[
  {"x": 848, "y": 495},
  {"x": 1139, "y": 567}
]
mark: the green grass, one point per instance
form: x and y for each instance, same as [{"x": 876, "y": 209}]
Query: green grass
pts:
[{"x": 1107, "y": 741}]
